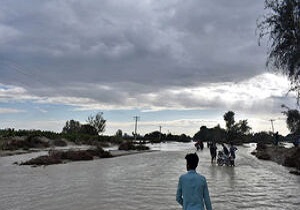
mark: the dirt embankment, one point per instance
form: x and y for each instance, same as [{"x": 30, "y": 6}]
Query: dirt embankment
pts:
[
  {"x": 58, "y": 156},
  {"x": 289, "y": 157},
  {"x": 26, "y": 144}
]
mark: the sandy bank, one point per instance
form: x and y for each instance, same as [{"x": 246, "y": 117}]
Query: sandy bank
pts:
[
  {"x": 118, "y": 153},
  {"x": 4, "y": 153},
  {"x": 55, "y": 156}
]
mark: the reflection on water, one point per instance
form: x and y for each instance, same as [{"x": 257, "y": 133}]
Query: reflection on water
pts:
[{"x": 145, "y": 181}]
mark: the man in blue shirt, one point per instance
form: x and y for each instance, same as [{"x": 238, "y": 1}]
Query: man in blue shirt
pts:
[{"x": 192, "y": 192}]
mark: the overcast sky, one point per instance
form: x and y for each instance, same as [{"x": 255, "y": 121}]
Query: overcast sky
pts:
[{"x": 175, "y": 64}]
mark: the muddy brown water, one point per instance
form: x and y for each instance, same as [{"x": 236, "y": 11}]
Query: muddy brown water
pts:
[{"x": 145, "y": 181}]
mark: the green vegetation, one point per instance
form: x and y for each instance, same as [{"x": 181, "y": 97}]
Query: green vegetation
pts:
[
  {"x": 88, "y": 134},
  {"x": 282, "y": 27},
  {"x": 97, "y": 122},
  {"x": 10, "y": 132},
  {"x": 11, "y": 139},
  {"x": 129, "y": 145},
  {"x": 293, "y": 120},
  {"x": 157, "y": 137}
]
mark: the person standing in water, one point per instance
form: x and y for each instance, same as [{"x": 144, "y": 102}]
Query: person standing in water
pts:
[
  {"x": 213, "y": 151},
  {"x": 232, "y": 150},
  {"x": 192, "y": 191}
]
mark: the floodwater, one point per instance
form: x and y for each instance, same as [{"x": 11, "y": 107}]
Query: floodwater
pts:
[{"x": 145, "y": 181}]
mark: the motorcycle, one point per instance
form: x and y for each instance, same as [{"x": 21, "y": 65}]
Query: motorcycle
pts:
[{"x": 223, "y": 159}]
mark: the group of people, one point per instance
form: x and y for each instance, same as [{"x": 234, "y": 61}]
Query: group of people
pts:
[
  {"x": 199, "y": 145},
  {"x": 192, "y": 190},
  {"x": 225, "y": 152}
]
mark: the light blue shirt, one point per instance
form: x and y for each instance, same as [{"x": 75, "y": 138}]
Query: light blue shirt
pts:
[{"x": 192, "y": 192}]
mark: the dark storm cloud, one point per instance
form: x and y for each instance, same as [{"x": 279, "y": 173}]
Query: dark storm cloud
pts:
[{"x": 111, "y": 50}]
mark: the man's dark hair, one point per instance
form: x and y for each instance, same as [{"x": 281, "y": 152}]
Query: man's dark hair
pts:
[{"x": 192, "y": 160}]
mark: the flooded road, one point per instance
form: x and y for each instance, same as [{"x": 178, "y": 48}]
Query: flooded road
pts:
[{"x": 145, "y": 181}]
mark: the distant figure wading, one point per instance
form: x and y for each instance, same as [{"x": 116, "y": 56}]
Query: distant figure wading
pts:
[
  {"x": 192, "y": 191},
  {"x": 213, "y": 151}
]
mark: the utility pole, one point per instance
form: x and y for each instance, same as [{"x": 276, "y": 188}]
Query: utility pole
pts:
[
  {"x": 272, "y": 120},
  {"x": 136, "y": 119},
  {"x": 160, "y": 133}
]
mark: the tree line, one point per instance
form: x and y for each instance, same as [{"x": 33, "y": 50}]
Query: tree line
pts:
[{"x": 92, "y": 131}]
